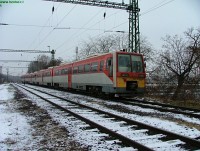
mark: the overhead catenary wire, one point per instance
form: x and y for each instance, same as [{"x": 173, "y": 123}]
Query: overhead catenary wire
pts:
[
  {"x": 43, "y": 27},
  {"x": 146, "y": 12},
  {"x": 49, "y": 33},
  {"x": 160, "y": 4},
  {"x": 75, "y": 35},
  {"x": 157, "y": 6}
]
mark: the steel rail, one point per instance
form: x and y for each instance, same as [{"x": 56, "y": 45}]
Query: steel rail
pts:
[
  {"x": 174, "y": 110},
  {"x": 165, "y": 105},
  {"x": 122, "y": 138},
  {"x": 188, "y": 140}
]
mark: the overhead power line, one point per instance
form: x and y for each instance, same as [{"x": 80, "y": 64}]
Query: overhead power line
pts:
[
  {"x": 156, "y": 7},
  {"x": 26, "y": 51},
  {"x": 15, "y": 61},
  {"x": 161, "y": 4},
  {"x": 13, "y": 67},
  {"x": 132, "y": 8},
  {"x": 40, "y": 26},
  {"x": 49, "y": 33}
]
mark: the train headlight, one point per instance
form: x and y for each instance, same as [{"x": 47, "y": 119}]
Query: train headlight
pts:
[{"x": 125, "y": 75}]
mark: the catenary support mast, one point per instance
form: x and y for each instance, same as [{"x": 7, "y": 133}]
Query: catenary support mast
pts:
[
  {"x": 132, "y": 8},
  {"x": 31, "y": 51}
]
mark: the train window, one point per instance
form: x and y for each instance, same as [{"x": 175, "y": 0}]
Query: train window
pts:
[
  {"x": 57, "y": 72},
  {"x": 64, "y": 71},
  {"x": 124, "y": 63},
  {"x": 101, "y": 65},
  {"x": 94, "y": 66},
  {"x": 137, "y": 63},
  {"x": 87, "y": 67},
  {"x": 48, "y": 74},
  {"x": 80, "y": 69},
  {"x": 75, "y": 70}
]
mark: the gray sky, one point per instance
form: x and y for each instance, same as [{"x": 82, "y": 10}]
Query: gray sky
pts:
[{"x": 174, "y": 17}]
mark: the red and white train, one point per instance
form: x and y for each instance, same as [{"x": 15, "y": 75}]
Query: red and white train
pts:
[{"x": 120, "y": 73}]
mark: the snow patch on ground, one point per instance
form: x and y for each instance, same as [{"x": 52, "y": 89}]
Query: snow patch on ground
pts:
[
  {"x": 5, "y": 92},
  {"x": 14, "y": 129},
  {"x": 92, "y": 139}
]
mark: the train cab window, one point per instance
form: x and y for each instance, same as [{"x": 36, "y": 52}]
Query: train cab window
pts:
[
  {"x": 124, "y": 63},
  {"x": 137, "y": 65},
  {"x": 94, "y": 67},
  {"x": 75, "y": 70},
  {"x": 87, "y": 67},
  {"x": 80, "y": 69},
  {"x": 101, "y": 65}
]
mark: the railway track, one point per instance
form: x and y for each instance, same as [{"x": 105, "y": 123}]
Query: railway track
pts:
[
  {"x": 161, "y": 107},
  {"x": 132, "y": 133}
]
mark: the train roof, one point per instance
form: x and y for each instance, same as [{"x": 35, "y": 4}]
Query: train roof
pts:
[{"x": 89, "y": 57}]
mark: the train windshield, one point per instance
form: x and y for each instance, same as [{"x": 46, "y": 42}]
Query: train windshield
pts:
[
  {"x": 136, "y": 63},
  {"x": 129, "y": 63}
]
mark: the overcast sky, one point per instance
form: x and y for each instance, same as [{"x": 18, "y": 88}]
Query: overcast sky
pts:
[{"x": 27, "y": 20}]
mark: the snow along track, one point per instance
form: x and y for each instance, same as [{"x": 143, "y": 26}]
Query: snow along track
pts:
[
  {"x": 162, "y": 107},
  {"x": 131, "y": 133}
]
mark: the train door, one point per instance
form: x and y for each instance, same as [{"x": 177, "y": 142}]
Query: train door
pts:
[
  {"x": 109, "y": 66},
  {"x": 51, "y": 72},
  {"x": 42, "y": 76},
  {"x": 70, "y": 78}
]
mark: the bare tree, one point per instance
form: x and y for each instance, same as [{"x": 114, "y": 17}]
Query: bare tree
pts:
[
  {"x": 181, "y": 57},
  {"x": 113, "y": 42},
  {"x": 43, "y": 62},
  {"x": 146, "y": 48},
  {"x": 99, "y": 45}
]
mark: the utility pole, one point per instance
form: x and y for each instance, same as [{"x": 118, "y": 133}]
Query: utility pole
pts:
[
  {"x": 76, "y": 53},
  {"x": 1, "y": 75},
  {"x": 7, "y": 74},
  {"x": 132, "y": 8},
  {"x": 31, "y": 51},
  {"x": 134, "y": 32},
  {"x": 53, "y": 56}
]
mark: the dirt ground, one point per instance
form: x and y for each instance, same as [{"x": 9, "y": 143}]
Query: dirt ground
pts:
[{"x": 47, "y": 134}]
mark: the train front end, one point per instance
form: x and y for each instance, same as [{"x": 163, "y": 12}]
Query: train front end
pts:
[{"x": 130, "y": 74}]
